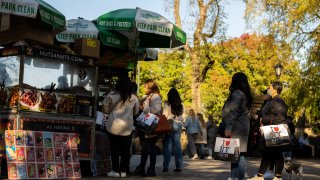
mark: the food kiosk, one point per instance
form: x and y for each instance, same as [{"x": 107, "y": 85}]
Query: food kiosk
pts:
[{"x": 48, "y": 90}]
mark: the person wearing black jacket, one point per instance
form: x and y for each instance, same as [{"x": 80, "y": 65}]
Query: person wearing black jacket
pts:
[{"x": 273, "y": 113}]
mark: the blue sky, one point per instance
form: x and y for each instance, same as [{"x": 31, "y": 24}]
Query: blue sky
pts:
[{"x": 93, "y": 8}]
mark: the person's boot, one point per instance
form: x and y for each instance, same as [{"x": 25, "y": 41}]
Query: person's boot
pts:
[
  {"x": 151, "y": 172},
  {"x": 139, "y": 171}
]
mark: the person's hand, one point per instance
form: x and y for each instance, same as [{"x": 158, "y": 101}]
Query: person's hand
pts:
[{"x": 227, "y": 134}]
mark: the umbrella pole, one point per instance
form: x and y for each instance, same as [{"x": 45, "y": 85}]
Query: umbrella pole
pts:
[{"x": 136, "y": 56}]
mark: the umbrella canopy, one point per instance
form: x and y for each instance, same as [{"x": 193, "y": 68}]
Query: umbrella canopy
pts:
[
  {"x": 143, "y": 28},
  {"x": 82, "y": 28},
  {"x": 31, "y": 8}
]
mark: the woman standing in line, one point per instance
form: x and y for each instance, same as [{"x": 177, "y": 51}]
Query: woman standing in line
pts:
[
  {"x": 173, "y": 110},
  {"x": 201, "y": 140},
  {"x": 193, "y": 128},
  {"x": 120, "y": 105},
  {"x": 152, "y": 103},
  {"x": 236, "y": 119},
  {"x": 212, "y": 131},
  {"x": 274, "y": 112}
]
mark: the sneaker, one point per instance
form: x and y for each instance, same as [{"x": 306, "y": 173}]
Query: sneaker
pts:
[
  {"x": 195, "y": 156},
  {"x": 209, "y": 157},
  {"x": 256, "y": 178},
  {"x": 269, "y": 174},
  {"x": 113, "y": 174},
  {"x": 177, "y": 170},
  {"x": 123, "y": 174}
]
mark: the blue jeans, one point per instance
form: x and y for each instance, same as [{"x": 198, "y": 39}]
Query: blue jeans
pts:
[
  {"x": 200, "y": 148},
  {"x": 172, "y": 140},
  {"x": 238, "y": 169}
]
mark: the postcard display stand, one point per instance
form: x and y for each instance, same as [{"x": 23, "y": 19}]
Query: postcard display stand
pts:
[
  {"x": 41, "y": 155},
  {"x": 28, "y": 102}
]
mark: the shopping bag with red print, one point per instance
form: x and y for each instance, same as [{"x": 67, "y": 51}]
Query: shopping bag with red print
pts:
[
  {"x": 275, "y": 135},
  {"x": 227, "y": 149}
]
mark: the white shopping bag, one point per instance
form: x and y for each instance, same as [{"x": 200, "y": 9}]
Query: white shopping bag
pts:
[{"x": 227, "y": 149}]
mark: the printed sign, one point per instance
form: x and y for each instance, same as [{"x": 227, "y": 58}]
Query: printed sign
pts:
[{"x": 41, "y": 155}]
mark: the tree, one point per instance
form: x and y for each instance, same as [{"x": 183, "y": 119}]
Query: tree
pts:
[
  {"x": 256, "y": 56},
  {"x": 169, "y": 71},
  {"x": 294, "y": 20},
  {"x": 208, "y": 20},
  {"x": 297, "y": 22}
]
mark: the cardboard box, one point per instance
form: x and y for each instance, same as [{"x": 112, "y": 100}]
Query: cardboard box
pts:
[
  {"x": 87, "y": 47},
  {"x": 14, "y": 28}
]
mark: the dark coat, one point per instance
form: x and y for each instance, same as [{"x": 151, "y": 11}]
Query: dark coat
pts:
[
  {"x": 275, "y": 112},
  {"x": 236, "y": 118}
]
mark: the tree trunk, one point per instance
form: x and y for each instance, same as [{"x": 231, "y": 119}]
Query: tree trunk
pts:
[{"x": 196, "y": 83}]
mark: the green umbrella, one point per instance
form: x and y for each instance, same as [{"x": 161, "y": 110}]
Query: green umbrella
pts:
[
  {"x": 31, "y": 8},
  {"x": 82, "y": 28},
  {"x": 143, "y": 28}
]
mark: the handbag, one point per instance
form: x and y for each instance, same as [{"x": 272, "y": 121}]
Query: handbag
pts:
[
  {"x": 146, "y": 122},
  {"x": 227, "y": 149},
  {"x": 163, "y": 126},
  {"x": 275, "y": 135}
]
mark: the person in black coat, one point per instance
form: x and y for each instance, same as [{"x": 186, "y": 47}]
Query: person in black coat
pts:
[{"x": 273, "y": 113}]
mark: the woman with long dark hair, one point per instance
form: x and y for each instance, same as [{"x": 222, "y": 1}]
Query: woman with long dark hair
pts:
[
  {"x": 236, "y": 119},
  {"x": 120, "y": 105},
  {"x": 173, "y": 110}
]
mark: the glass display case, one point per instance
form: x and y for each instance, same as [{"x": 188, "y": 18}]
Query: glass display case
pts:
[{"x": 47, "y": 90}]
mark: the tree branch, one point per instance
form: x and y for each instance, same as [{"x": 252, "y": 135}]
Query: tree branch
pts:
[
  {"x": 177, "y": 13},
  {"x": 206, "y": 68},
  {"x": 216, "y": 21}
]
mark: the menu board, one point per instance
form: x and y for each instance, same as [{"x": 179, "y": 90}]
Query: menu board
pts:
[
  {"x": 84, "y": 106},
  {"x": 41, "y": 155}
]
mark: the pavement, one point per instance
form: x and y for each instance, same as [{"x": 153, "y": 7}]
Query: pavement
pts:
[{"x": 214, "y": 169}]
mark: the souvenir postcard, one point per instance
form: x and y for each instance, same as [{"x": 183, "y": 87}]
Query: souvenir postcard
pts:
[
  {"x": 48, "y": 139},
  {"x": 20, "y": 154},
  {"x": 12, "y": 171},
  {"x": 19, "y": 138},
  {"x": 58, "y": 156},
  {"x": 22, "y": 170},
  {"x": 39, "y": 138},
  {"x": 31, "y": 154},
  {"x": 65, "y": 140},
  {"x": 40, "y": 154},
  {"x": 74, "y": 140},
  {"x": 49, "y": 155},
  {"x": 30, "y": 139},
  {"x": 57, "y": 140},
  {"x": 76, "y": 170},
  {"x": 51, "y": 170},
  {"x": 9, "y": 138},
  {"x": 41, "y": 168},
  {"x": 67, "y": 153},
  {"x": 75, "y": 155},
  {"x": 60, "y": 170},
  {"x": 31, "y": 170},
  {"x": 11, "y": 153},
  {"x": 69, "y": 170}
]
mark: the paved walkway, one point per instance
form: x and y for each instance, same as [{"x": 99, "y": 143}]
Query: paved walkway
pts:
[{"x": 212, "y": 169}]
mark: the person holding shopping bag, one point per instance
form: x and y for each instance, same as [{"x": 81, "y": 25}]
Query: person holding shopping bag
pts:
[
  {"x": 152, "y": 103},
  {"x": 236, "y": 119},
  {"x": 273, "y": 113}
]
